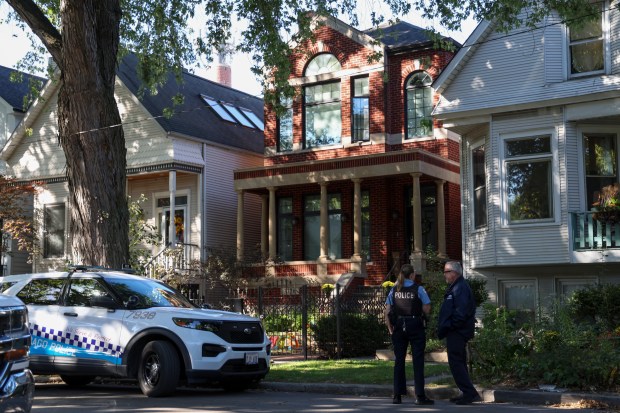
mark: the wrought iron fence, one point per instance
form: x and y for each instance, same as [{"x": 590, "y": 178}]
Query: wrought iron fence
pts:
[{"x": 292, "y": 315}]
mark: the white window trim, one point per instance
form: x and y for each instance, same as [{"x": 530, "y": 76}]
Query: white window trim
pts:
[
  {"x": 581, "y": 168},
  {"x": 501, "y": 291},
  {"x": 66, "y": 230},
  {"x": 587, "y": 280},
  {"x": 606, "y": 48},
  {"x": 472, "y": 189},
  {"x": 157, "y": 210},
  {"x": 555, "y": 178}
]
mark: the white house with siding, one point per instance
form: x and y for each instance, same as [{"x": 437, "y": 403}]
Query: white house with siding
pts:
[
  {"x": 539, "y": 117},
  {"x": 184, "y": 163}
]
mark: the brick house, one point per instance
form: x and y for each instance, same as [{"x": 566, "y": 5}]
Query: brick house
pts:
[{"x": 356, "y": 177}]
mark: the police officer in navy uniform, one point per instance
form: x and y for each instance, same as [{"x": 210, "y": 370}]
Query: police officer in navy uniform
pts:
[
  {"x": 407, "y": 305},
  {"x": 456, "y": 324}
]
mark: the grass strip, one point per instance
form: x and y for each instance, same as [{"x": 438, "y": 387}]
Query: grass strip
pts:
[{"x": 345, "y": 371}]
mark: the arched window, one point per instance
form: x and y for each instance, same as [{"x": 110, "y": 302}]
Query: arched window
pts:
[
  {"x": 419, "y": 105},
  {"x": 323, "y": 63}
]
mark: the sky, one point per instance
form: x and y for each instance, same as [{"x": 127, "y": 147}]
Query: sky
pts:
[{"x": 14, "y": 44}]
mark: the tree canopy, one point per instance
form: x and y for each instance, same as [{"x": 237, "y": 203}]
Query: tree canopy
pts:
[{"x": 86, "y": 37}]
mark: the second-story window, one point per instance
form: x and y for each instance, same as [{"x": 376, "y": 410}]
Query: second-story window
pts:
[
  {"x": 419, "y": 105},
  {"x": 323, "y": 123},
  {"x": 360, "y": 130},
  {"x": 586, "y": 45},
  {"x": 285, "y": 127}
]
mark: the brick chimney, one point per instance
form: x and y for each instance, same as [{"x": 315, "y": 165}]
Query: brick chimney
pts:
[{"x": 222, "y": 68}]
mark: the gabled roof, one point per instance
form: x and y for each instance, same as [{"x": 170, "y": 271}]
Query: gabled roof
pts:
[
  {"x": 12, "y": 92},
  {"x": 463, "y": 55},
  {"x": 402, "y": 35},
  {"x": 194, "y": 118}
]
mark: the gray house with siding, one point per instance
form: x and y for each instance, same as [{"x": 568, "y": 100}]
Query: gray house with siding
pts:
[
  {"x": 539, "y": 117},
  {"x": 184, "y": 163}
]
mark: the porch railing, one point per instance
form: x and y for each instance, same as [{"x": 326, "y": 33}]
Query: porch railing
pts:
[
  {"x": 172, "y": 259},
  {"x": 590, "y": 234}
]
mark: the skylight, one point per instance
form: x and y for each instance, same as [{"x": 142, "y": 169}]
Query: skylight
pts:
[
  {"x": 255, "y": 119},
  {"x": 218, "y": 109},
  {"x": 231, "y": 113},
  {"x": 237, "y": 114}
]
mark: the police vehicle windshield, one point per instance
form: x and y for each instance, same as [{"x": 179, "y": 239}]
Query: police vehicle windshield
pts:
[{"x": 145, "y": 293}]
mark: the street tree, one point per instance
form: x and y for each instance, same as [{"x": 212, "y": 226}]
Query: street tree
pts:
[{"x": 86, "y": 37}]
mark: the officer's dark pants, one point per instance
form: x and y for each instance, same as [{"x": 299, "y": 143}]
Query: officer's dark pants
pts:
[
  {"x": 416, "y": 336},
  {"x": 457, "y": 359}
]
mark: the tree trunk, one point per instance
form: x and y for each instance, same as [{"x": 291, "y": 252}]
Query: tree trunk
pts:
[{"x": 91, "y": 134}]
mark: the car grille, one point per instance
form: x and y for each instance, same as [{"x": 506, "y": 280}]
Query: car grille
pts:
[
  {"x": 239, "y": 366},
  {"x": 241, "y": 332}
]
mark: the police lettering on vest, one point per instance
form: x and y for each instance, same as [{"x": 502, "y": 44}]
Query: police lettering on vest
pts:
[{"x": 407, "y": 302}]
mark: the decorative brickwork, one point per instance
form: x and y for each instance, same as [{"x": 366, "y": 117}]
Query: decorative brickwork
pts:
[{"x": 390, "y": 211}]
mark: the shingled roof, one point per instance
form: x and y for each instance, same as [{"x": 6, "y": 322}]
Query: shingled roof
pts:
[
  {"x": 13, "y": 92},
  {"x": 195, "y": 118},
  {"x": 402, "y": 35}
]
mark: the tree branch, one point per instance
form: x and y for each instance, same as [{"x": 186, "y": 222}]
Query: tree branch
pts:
[{"x": 34, "y": 17}]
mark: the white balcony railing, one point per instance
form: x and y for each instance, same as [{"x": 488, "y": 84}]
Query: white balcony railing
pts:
[{"x": 591, "y": 234}]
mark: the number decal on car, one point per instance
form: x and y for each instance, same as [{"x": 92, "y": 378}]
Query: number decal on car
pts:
[{"x": 142, "y": 315}]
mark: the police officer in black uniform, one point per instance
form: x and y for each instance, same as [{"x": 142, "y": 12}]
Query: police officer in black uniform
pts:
[
  {"x": 456, "y": 323},
  {"x": 407, "y": 305}
]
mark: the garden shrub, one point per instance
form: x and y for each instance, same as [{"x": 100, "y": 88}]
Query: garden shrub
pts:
[
  {"x": 360, "y": 334},
  {"x": 500, "y": 346},
  {"x": 282, "y": 322},
  {"x": 598, "y": 305},
  {"x": 553, "y": 350}
]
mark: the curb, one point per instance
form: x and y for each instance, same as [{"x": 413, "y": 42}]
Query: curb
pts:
[{"x": 529, "y": 397}]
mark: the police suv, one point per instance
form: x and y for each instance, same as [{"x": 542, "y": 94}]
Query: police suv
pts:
[{"x": 88, "y": 323}]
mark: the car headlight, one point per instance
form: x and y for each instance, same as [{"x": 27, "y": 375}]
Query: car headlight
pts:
[{"x": 197, "y": 324}]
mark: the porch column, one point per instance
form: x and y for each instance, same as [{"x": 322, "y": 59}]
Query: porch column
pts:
[
  {"x": 172, "y": 188},
  {"x": 441, "y": 220},
  {"x": 264, "y": 224},
  {"x": 358, "y": 262},
  {"x": 324, "y": 231},
  {"x": 357, "y": 218},
  {"x": 417, "y": 255},
  {"x": 272, "y": 222},
  {"x": 240, "y": 224}
]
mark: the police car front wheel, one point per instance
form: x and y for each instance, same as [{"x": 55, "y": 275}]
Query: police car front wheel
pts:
[{"x": 159, "y": 370}]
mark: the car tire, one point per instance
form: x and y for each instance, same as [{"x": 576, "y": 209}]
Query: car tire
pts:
[
  {"x": 159, "y": 370},
  {"x": 77, "y": 381}
]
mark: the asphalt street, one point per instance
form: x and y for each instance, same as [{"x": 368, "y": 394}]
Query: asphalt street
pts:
[{"x": 58, "y": 398}]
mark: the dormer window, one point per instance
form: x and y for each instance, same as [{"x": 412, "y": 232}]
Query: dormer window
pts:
[
  {"x": 586, "y": 44},
  {"x": 323, "y": 63}
]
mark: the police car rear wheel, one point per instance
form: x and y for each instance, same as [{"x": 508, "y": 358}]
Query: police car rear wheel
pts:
[
  {"x": 77, "y": 381},
  {"x": 159, "y": 369}
]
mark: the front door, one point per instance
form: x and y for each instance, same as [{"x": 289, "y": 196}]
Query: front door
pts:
[
  {"x": 428, "y": 195},
  {"x": 179, "y": 224}
]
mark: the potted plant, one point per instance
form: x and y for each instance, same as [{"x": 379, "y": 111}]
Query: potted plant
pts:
[{"x": 607, "y": 206}]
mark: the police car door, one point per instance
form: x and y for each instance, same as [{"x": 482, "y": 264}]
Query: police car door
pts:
[
  {"x": 41, "y": 294},
  {"x": 89, "y": 345}
]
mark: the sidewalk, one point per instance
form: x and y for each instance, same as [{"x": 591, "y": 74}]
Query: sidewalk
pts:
[{"x": 530, "y": 397}]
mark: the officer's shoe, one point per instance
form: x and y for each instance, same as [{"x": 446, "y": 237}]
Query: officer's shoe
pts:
[
  {"x": 423, "y": 400},
  {"x": 469, "y": 400},
  {"x": 397, "y": 399}
]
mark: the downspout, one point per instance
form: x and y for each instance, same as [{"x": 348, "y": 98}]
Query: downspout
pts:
[{"x": 203, "y": 209}]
